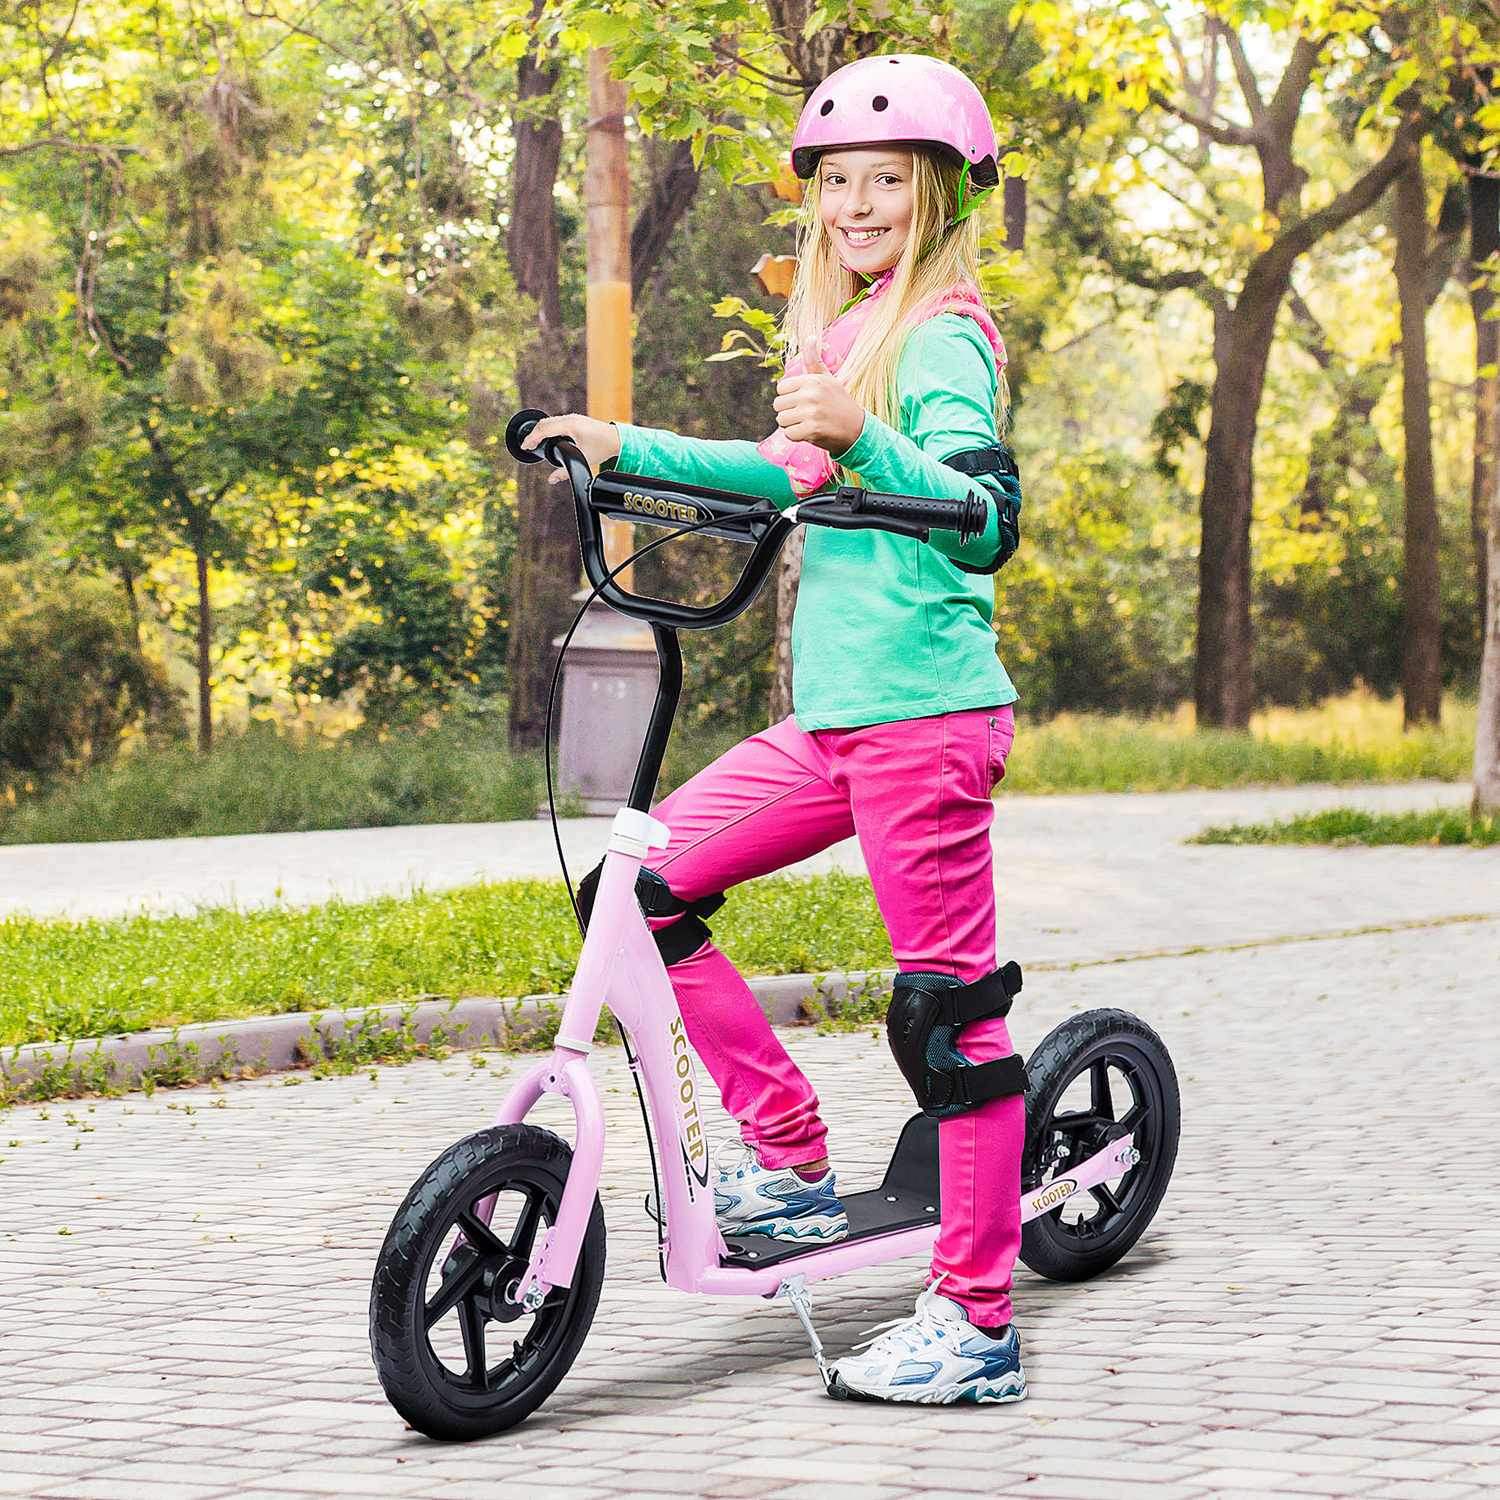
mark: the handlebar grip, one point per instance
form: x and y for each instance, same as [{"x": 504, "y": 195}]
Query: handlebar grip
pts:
[
  {"x": 968, "y": 516},
  {"x": 518, "y": 429}
]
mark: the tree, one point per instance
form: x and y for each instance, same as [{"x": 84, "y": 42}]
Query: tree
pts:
[
  {"x": 1487, "y": 736},
  {"x": 453, "y": 63},
  {"x": 1245, "y": 278},
  {"x": 1487, "y": 739},
  {"x": 1421, "y": 659},
  {"x": 1484, "y": 257},
  {"x": 71, "y": 675},
  {"x": 212, "y": 345}
]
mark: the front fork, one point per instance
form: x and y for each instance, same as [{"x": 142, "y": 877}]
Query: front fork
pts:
[{"x": 554, "y": 1261}]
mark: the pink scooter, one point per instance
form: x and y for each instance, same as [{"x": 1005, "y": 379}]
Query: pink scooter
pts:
[{"x": 490, "y": 1273}]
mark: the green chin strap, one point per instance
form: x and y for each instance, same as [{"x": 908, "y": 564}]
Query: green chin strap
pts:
[{"x": 967, "y": 202}]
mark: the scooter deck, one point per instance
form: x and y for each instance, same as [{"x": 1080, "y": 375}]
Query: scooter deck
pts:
[{"x": 906, "y": 1199}]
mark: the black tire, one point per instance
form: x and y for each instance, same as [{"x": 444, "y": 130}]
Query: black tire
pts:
[
  {"x": 425, "y": 1388},
  {"x": 1068, "y": 1244}
]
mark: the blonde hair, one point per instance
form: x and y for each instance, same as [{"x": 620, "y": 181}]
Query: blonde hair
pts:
[{"x": 933, "y": 258}]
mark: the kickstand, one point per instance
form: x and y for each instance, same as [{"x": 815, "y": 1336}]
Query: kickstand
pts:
[{"x": 794, "y": 1289}]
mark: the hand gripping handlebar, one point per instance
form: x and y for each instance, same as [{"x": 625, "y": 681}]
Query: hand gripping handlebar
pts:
[{"x": 742, "y": 518}]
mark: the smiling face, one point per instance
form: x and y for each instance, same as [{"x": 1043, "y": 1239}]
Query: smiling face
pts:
[{"x": 865, "y": 198}]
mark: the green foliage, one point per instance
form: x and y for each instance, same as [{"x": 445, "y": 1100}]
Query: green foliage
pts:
[
  {"x": 195, "y": 331},
  {"x": 1093, "y": 753},
  {"x": 726, "y": 672},
  {"x": 404, "y": 658},
  {"x": 1095, "y": 610},
  {"x": 255, "y": 302},
  {"x": 71, "y": 676},
  {"x": 17, "y": 531},
  {"x": 79, "y": 979},
  {"x": 1345, "y": 826},
  {"x": 263, "y": 783},
  {"x": 1178, "y": 423}
]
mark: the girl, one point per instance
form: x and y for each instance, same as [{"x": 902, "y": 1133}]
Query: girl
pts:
[{"x": 902, "y": 718}]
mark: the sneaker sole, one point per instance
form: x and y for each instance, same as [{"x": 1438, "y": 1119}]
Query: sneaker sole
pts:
[
  {"x": 994, "y": 1392},
  {"x": 822, "y": 1227}
]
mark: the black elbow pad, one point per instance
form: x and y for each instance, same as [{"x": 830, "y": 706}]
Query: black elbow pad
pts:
[{"x": 999, "y": 461}]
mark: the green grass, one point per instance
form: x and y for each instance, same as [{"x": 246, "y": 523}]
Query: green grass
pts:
[
  {"x": 262, "y": 783},
  {"x": 1347, "y": 825},
  {"x": 67, "y": 979},
  {"x": 1351, "y": 739}
]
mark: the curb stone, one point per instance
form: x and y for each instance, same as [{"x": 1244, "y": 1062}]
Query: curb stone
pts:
[{"x": 276, "y": 1044}]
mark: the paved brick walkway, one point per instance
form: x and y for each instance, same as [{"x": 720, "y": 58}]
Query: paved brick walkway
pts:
[{"x": 1315, "y": 1312}]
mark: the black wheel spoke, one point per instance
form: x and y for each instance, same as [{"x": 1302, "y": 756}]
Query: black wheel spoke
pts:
[
  {"x": 1135, "y": 1115},
  {"x": 526, "y": 1226},
  {"x": 471, "y": 1321},
  {"x": 453, "y": 1290},
  {"x": 1105, "y": 1198},
  {"x": 1099, "y": 1099},
  {"x": 1077, "y": 1125},
  {"x": 480, "y": 1235}
]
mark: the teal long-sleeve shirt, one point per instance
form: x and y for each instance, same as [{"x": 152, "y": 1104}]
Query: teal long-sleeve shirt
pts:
[{"x": 886, "y": 627}]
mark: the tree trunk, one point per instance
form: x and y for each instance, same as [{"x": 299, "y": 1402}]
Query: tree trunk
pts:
[
  {"x": 551, "y": 377},
  {"x": 1421, "y": 641},
  {"x": 205, "y": 637},
  {"x": 544, "y": 569},
  {"x": 674, "y": 185},
  {"x": 1487, "y": 739},
  {"x": 788, "y": 576},
  {"x": 132, "y": 603},
  {"x": 1223, "y": 671},
  {"x": 1014, "y": 197},
  {"x": 1484, "y": 243}
]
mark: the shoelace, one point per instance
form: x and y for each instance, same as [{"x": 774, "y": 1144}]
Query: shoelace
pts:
[
  {"x": 909, "y": 1333},
  {"x": 731, "y": 1155}
]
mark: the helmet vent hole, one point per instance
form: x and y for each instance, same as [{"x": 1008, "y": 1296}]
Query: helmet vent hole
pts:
[
  {"x": 827, "y": 107},
  {"x": 880, "y": 102}
]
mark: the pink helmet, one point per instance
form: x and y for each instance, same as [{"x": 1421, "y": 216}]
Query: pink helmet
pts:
[{"x": 903, "y": 99}]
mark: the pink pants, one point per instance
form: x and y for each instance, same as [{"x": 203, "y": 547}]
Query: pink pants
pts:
[{"x": 917, "y": 793}]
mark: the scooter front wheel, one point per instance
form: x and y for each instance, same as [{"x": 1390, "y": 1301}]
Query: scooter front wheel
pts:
[
  {"x": 457, "y": 1358},
  {"x": 1094, "y": 1079}
]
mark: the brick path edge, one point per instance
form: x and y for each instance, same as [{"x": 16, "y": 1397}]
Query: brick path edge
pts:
[{"x": 368, "y": 1034}]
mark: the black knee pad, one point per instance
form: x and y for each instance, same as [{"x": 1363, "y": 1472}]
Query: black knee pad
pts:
[
  {"x": 926, "y": 1013},
  {"x": 657, "y": 899}
]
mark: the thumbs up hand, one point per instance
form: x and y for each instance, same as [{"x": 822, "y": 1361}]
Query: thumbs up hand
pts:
[{"x": 815, "y": 408}]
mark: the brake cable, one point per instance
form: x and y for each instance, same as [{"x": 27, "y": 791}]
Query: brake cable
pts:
[{"x": 630, "y": 1057}]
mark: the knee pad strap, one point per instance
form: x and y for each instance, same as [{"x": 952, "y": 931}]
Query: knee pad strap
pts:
[
  {"x": 657, "y": 899},
  {"x": 926, "y": 1013}
]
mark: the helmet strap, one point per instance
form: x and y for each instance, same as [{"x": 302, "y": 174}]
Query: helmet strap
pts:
[{"x": 967, "y": 201}]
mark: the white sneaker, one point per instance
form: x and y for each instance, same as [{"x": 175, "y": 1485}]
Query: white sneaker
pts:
[
  {"x": 935, "y": 1356},
  {"x": 775, "y": 1201}
]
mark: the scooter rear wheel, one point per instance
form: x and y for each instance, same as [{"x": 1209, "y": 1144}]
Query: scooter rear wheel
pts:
[
  {"x": 1122, "y": 1067},
  {"x": 456, "y": 1248}
]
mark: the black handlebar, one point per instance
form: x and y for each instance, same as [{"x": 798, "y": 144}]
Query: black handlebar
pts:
[{"x": 742, "y": 518}]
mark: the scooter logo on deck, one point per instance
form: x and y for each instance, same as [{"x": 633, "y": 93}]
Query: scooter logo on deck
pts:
[
  {"x": 1054, "y": 1194},
  {"x": 693, "y": 1147},
  {"x": 670, "y": 510}
]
